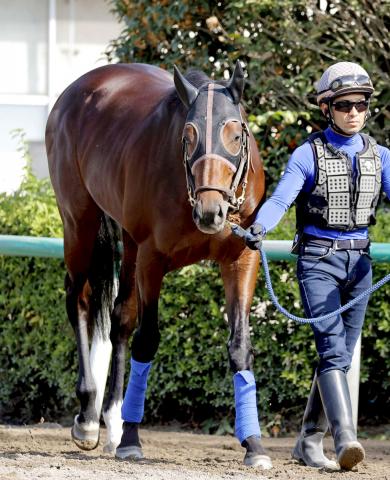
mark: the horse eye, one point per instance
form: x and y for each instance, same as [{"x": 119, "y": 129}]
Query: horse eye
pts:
[
  {"x": 231, "y": 137},
  {"x": 191, "y": 137}
]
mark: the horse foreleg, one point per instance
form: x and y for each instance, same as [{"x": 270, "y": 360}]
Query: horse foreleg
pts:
[
  {"x": 144, "y": 347},
  {"x": 239, "y": 279},
  {"x": 85, "y": 431}
]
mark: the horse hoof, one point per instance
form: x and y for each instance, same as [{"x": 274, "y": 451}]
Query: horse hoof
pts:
[
  {"x": 256, "y": 460},
  {"x": 129, "y": 453},
  {"x": 85, "y": 436},
  {"x": 110, "y": 447},
  {"x": 112, "y": 419}
]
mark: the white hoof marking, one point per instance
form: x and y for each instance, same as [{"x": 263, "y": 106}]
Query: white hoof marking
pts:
[{"x": 114, "y": 422}]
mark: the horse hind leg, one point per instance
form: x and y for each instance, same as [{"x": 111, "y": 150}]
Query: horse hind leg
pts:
[
  {"x": 83, "y": 292},
  {"x": 99, "y": 357},
  {"x": 85, "y": 430},
  {"x": 123, "y": 322}
]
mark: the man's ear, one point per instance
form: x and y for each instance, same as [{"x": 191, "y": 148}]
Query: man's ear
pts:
[{"x": 324, "y": 109}]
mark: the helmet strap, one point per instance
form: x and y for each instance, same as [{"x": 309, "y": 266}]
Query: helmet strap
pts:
[{"x": 332, "y": 123}]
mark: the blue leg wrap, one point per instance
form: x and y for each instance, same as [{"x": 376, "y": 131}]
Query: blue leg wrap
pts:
[
  {"x": 133, "y": 403},
  {"x": 247, "y": 421}
]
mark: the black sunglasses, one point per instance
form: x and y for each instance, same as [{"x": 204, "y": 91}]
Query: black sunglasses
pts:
[{"x": 346, "y": 106}]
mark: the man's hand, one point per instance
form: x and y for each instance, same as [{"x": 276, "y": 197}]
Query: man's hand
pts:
[{"x": 255, "y": 239}]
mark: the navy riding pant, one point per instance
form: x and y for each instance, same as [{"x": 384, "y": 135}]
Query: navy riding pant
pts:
[{"x": 329, "y": 279}]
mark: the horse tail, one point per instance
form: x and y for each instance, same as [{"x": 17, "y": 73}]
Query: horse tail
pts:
[{"x": 103, "y": 275}]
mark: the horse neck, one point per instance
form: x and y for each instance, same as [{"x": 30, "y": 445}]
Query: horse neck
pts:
[{"x": 168, "y": 119}]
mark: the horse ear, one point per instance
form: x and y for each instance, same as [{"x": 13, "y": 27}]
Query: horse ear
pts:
[
  {"x": 186, "y": 91},
  {"x": 236, "y": 83}
]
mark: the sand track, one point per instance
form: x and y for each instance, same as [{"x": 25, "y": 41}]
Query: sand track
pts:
[{"x": 47, "y": 452}]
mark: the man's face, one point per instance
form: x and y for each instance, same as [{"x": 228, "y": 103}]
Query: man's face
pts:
[{"x": 351, "y": 121}]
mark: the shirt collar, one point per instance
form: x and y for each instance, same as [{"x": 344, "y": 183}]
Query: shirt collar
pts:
[{"x": 339, "y": 140}]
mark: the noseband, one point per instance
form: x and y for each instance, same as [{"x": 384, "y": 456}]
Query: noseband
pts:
[{"x": 240, "y": 176}]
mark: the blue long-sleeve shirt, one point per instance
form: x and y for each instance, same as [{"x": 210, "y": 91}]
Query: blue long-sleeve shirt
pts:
[{"x": 300, "y": 175}]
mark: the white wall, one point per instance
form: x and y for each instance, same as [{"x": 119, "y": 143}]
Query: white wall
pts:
[
  {"x": 38, "y": 62},
  {"x": 23, "y": 46}
]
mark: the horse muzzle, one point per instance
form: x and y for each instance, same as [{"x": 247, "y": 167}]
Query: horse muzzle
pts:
[{"x": 209, "y": 212}]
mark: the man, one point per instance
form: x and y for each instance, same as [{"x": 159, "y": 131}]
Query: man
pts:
[{"x": 336, "y": 178}]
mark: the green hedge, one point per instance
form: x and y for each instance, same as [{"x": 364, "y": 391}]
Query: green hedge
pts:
[
  {"x": 190, "y": 380},
  {"x": 284, "y": 46},
  {"x": 37, "y": 348}
]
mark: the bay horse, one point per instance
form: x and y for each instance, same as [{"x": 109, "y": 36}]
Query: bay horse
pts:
[{"x": 157, "y": 162}]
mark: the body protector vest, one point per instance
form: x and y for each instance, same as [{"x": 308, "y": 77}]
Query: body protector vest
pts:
[{"x": 340, "y": 199}]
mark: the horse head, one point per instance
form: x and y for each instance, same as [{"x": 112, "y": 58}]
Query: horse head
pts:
[{"x": 215, "y": 147}]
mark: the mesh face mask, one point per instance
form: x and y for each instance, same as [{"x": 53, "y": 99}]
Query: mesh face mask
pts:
[{"x": 209, "y": 116}]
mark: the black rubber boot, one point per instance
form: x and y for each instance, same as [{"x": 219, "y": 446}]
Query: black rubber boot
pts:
[
  {"x": 335, "y": 396},
  {"x": 309, "y": 449}
]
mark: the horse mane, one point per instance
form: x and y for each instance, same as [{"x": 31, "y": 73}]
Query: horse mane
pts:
[{"x": 197, "y": 78}]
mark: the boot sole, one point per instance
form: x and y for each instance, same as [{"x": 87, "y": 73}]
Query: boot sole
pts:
[
  {"x": 323, "y": 465},
  {"x": 351, "y": 455}
]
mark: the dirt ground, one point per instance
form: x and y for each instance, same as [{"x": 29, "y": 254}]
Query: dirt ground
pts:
[{"x": 47, "y": 452}]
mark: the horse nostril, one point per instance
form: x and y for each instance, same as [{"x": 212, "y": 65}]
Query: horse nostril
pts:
[
  {"x": 197, "y": 211},
  {"x": 209, "y": 216},
  {"x": 219, "y": 215}
]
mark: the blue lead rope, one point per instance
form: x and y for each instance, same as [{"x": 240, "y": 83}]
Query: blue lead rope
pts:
[{"x": 240, "y": 232}]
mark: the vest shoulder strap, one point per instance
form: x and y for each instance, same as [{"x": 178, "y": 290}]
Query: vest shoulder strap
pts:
[{"x": 367, "y": 138}]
